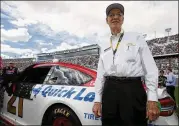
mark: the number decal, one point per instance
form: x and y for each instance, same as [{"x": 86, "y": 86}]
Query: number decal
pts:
[
  {"x": 12, "y": 109},
  {"x": 20, "y": 107}
]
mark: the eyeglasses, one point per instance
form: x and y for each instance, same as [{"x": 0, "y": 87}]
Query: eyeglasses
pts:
[{"x": 113, "y": 15}]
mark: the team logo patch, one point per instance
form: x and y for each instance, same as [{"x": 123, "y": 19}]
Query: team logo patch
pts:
[{"x": 131, "y": 44}]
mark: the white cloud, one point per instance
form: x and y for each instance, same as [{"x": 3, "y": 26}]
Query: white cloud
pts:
[
  {"x": 21, "y": 23},
  {"x": 2, "y": 26},
  {"x": 3, "y": 16},
  {"x": 20, "y": 51},
  {"x": 15, "y": 35},
  {"x": 44, "y": 50},
  {"x": 44, "y": 30},
  {"x": 43, "y": 43},
  {"x": 66, "y": 46},
  {"x": 84, "y": 18},
  {"x": 5, "y": 56}
]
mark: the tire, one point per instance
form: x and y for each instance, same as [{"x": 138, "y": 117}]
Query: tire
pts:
[{"x": 60, "y": 116}]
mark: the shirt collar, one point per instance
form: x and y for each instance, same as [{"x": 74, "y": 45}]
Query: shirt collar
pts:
[{"x": 118, "y": 34}]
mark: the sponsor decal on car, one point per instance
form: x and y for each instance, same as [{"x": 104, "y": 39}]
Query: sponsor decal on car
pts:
[
  {"x": 63, "y": 92},
  {"x": 62, "y": 111},
  {"x": 91, "y": 116}
]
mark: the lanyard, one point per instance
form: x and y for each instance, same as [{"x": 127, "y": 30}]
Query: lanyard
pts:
[{"x": 120, "y": 38}]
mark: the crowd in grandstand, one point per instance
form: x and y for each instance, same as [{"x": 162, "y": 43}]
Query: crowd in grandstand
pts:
[
  {"x": 165, "y": 45},
  {"x": 163, "y": 63},
  {"x": 159, "y": 46},
  {"x": 89, "y": 61},
  {"x": 21, "y": 64}
]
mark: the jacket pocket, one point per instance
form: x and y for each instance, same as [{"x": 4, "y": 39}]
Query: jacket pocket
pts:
[{"x": 131, "y": 52}]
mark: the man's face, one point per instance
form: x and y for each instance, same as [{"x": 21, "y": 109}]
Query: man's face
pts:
[{"x": 115, "y": 18}]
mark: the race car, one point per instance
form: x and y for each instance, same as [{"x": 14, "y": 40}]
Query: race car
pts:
[{"x": 62, "y": 94}]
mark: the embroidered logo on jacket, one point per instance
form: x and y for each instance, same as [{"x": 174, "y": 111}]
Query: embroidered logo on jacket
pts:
[{"x": 131, "y": 44}]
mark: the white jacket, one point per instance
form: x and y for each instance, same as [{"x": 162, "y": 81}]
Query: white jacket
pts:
[{"x": 132, "y": 59}]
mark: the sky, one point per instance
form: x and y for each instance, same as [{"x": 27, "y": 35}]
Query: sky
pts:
[{"x": 32, "y": 27}]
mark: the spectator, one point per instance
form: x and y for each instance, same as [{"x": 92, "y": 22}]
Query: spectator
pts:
[
  {"x": 171, "y": 83},
  {"x": 162, "y": 79},
  {"x": 9, "y": 73}
]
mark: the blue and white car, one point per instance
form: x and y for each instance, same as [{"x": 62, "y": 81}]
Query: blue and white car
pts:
[{"x": 62, "y": 94}]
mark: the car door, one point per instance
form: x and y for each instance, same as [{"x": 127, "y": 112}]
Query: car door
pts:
[
  {"x": 28, "y": 80},
  {"x": 20, "y": 105}
]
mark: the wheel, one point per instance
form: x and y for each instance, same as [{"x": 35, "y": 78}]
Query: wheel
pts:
[{"x": 61, "y": 116}]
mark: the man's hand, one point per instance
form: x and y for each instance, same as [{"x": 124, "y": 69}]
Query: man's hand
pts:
[
  {"x": 97, "y": 109},
  {"x": 153, "y": 111}
]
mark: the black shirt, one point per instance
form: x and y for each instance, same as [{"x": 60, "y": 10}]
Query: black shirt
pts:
[
  {"x": 162, "y": 81},
  {"x": 9, "y": 73}
]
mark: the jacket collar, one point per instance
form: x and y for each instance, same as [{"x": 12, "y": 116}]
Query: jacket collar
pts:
[{"x": 118, "y": 34}]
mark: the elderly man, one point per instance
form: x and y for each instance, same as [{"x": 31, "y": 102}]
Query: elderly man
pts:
[{"x": 120, "y": 97}]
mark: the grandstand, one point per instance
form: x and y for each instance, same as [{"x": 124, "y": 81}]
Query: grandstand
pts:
[
  {"x": 164, "y": 46},
  {"x": 85, "y": 50},
  {"x": 171, "y": 60},
  {"x": 164, "y": 50},
  {"x": 20, "y": 63}
]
